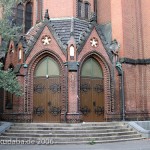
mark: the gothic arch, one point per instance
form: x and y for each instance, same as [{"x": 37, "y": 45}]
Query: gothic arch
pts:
[
  {"x": 29, "y": 79},
  {"x": 107, "y": 74}
]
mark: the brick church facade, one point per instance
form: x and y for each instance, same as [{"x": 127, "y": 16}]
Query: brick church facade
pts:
[{"x": 80, "y": 60}]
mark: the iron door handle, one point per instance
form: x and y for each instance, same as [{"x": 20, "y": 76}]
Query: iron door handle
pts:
[{"x": 94, "y": 103}]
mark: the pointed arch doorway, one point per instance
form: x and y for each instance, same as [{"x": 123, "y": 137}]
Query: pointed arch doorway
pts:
[
  {"x": 92, "y": 91},
  {"x": 46, "y": 91}
]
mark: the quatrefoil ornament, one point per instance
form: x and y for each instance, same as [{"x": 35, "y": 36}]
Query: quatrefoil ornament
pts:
[{"x": 46, "y": 39}]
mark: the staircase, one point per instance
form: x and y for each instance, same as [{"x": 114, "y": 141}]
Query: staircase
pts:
[{"x": 46, "y": 133}]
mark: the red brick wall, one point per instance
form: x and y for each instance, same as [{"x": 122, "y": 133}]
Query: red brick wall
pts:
[
  {"x": 63, "y": 8},
  {"x": 104, "y": 11},
  {"x": 116, "y": 22},
  {"x": 53, "y": 46},
  {"x": 135, "y": 27},
  {"x": 135, "y": 45},
  {"x": 131, "y": 25},
  {"x": 145, "y": 27},
  {"x": 12, "y": 56},
  {"x": 136, "y": 81},
  {"x": 12, "y": 59}
]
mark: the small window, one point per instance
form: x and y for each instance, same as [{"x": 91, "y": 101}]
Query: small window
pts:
[
  {"x": 19, "y": 19},
  {"x": 79, "y": 8},
  {"x": 28, "y": 17},
  {"x": 11, "y": 49},
  {"x": 20, "y": 54},
  {"x": 72, "y": 52},
  {"x": 87, "y": 10}
]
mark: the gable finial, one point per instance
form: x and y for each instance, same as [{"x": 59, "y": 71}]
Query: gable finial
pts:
[{"x": 46, "y": 15}]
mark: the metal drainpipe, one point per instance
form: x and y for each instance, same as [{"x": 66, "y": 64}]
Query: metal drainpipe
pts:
[
  {"x": 122, "y": 97},
  {"x": 66, "y": 72}
]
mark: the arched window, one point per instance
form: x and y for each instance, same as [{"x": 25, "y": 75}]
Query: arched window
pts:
[
  {"x": 39, "y": 10},
  {"x": 28, "y": 16},
  {"x": 19, "y": 19},
  {"x": 87, "y": 7},
  {"x": 47, "y": 67},
  {"x": 91, "y": 68},
  {"x": 79, "y": 8}
]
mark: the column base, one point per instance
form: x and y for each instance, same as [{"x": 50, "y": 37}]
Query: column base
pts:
[{"x": 73, "y": 118}]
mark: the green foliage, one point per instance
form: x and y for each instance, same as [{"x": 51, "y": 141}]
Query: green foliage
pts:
[
  {"x": 8, "y": 30},
  {"x": 9, "y": 82},
  {"x": 92, "y": 142}
]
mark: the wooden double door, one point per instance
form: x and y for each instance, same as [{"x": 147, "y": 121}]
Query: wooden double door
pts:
[
  {"x": 47, "y": 107},
  {"x": 47, "y": 91},
  {"x": 92, "y": 92}
]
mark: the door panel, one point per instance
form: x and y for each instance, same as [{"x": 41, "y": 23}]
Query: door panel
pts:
[
  {"x": 92, "y": 99},
  {"x": 86, "y": 95},
  {"x": 39, "y": 100},
  {"x": 97, "y": 98},
  {"x": 53, "y": 98},
  {"x": 46, "y": 99}
]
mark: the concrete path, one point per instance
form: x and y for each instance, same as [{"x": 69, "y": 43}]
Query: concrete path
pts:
[{"x": 130, "y": 145}]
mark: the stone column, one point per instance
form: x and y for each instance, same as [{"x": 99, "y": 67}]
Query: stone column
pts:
[{"x": 73, "y": 100}]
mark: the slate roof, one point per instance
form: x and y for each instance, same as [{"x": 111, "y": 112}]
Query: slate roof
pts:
[
  {"x": 65, "y": 27},
  {"x": 62, "y": 30}
]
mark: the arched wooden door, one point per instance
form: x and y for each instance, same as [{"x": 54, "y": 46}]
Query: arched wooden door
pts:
[
  {"x": 92, "y": 92},
  {"x": 46, "y": 92}
]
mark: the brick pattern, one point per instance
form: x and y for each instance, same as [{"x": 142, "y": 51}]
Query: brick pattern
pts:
[
  {"x": 145, "y": 11},
  {"x": 132, "y": 28},
  {"x": 136, "y": 91},
  {"x": 133, "y": 25},
  {"x": 104, "y": 11},
  {"x": 100, "y": 54},
  {"x": 136, "y": 46},
  {"x": 12, "y": 59}
]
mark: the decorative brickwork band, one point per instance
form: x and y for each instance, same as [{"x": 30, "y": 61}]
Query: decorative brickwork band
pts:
[{"x": 135, "y": 61}]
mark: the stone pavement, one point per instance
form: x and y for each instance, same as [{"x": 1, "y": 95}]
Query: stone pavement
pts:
[{"x": 129, "y": 145}]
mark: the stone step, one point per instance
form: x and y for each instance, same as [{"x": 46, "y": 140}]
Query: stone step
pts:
[
  {"x": 113, "y": 137},
  {"x": 72, "y": 140},
  {"x": 67, "y": 128},
  {"x": 69, "y": 131},
  {"x": 97, "y": 142},
  {"x": 70, "y": 135},
  {"x": 68, "y": 125}
]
